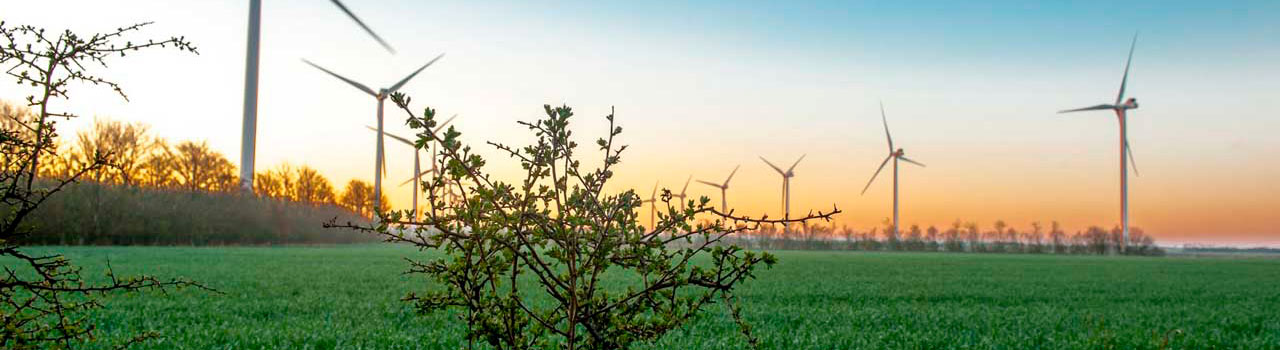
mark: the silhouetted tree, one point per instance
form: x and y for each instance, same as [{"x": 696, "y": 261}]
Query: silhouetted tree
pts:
[
  {"x": 931, "y": 238},
  {"x": 358, "y": 197},
  {"x": 1058, "y": 238},
  {"x": 200, "y": 168},
  {"x": 301, "y": 184},
  {"x": 953, "y": 240},
  {"x": 125, "y": 145}
]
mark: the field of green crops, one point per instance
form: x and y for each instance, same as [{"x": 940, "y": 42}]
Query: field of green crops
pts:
[{"x": 347, "y": 297}]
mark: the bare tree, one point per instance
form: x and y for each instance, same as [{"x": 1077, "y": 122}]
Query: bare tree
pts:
[
  {"x": 358, "y": 197},
  {"x": 125, "y": 145},
  {"x": 200, "y": 168}
]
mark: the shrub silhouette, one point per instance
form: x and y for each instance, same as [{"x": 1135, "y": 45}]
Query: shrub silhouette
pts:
[{"x": 528, "y": 262}]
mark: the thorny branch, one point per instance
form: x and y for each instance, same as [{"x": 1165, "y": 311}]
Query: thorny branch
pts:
[{"x": 43, "y": 298}]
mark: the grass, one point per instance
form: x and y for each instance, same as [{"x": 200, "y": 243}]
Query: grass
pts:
[{"x": 348, "y": 297}]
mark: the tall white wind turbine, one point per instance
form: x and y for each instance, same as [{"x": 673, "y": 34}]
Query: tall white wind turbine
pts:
[
  {"x": 895, "y": 155},
  {"x": 249, "y": 128},
  {"x": 724, "y": 188},
  {"x": 380, "y": 95},
  {"x": 1121, "y": 110},
  {"x": 786, "y": 187}
]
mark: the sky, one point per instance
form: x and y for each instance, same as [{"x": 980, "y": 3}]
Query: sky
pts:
[{"x": 971, "y": 89}]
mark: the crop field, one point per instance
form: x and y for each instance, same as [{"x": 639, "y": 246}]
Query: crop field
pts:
[{"x": 347, "y": 297}]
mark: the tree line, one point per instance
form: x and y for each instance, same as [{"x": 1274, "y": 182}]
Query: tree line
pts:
[
  {"x": 960, "y": 236},
  {"x": 150, "y": 190}
]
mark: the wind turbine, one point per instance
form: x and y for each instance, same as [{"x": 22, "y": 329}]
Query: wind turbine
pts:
[
  {"x": 380, "y": 95},
  {"x": 724, "y": 188},
  {"x": 1121, "y": 110},
  {"x": 786, "y": 187},
  {"x": 895, "y": 155},
  {"x": 249, "y": 128},
  {"x": 653, "y": 210},
  {"x": 682, "y": 192},
  {"x": 417, "y": 168}
]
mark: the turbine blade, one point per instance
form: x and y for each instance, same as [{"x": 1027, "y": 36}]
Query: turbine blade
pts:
[
  {"x": 397, "y": 86},
  {"x": 873, "y": 176},
  {"x": 734, "y": 172},
  {"x": 793, "y": 165},
  {"x": 1090, "y": 108},
  {"x": 775, "y": 167},
  {"x": 1132, "y": 163},
  {"x": 686, "y": 185},
  {"x": 654, "y": 194},
  {"x": 393, "y": 136},
  {"x": 885, "y": 119},
  {"x": 1125, "y": 80},
  {"x": 365, "y": 27},
  {"x": 910, "y": 161},
  {"x": 415, "y": 177},
  {"x": 360, "y": 86},
  {"x": 709, "y": 183},
  {"x": 441, "y": 126}
]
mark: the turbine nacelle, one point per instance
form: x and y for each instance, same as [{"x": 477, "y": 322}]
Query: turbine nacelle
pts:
[{"x": 1132, "y": 103}]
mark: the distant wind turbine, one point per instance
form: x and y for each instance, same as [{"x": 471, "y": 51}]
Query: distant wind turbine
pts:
[
  {"x": 417, "y": 168},
  {"x": 653, "y": 210},
  {"x": 682, "y": 194},
  {"x": 895, "y": 155},
  {"x": 786, "y": 186},
  {"x": 249, "y": 128},
  {"x": 1121, "y": 110},
  {"x": 380, "y": 95},
  {"x": 724, "y": 188}
]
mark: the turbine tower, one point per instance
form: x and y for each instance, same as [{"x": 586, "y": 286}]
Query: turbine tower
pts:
[
  {"x": 895, "y": 155},
  {"x": 249, "y": 128},
  {"x": 380, "y": 95},
  {"x": 786, "y": 187},
  {"x": 724, "y": 188},
  {"x": 417, "y": 167},
  {"x": 419, "y": 173},
  {"x": 1121, "y": 108},
  {"x": 653, "y": 210}
]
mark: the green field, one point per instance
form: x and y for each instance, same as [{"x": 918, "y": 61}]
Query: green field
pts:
[{"x": 348, "y": 297}]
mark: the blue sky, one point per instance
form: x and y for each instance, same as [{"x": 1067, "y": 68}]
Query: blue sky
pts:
[{"x": 971, "y": 89}]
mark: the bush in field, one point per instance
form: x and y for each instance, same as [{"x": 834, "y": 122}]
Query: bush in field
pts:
[
  {"x": 44, "y": 298},
  {"x": 527, "y": 262}
]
